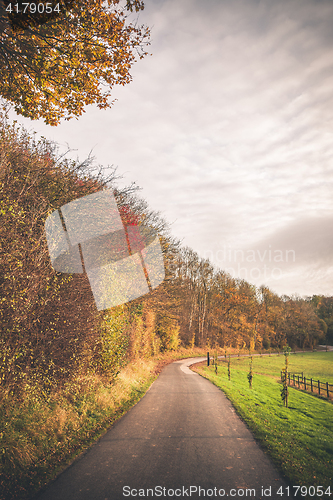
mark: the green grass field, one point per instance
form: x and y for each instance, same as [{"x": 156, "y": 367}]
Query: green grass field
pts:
[
  {"x": 299, "y": 438},
  {"x": 318, "y": 365}
]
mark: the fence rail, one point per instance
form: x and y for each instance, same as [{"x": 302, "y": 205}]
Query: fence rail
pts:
[{"x": 309, "y": 384}]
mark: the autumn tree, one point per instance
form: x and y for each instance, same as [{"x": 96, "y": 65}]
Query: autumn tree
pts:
[
  {"x": 54, "y": 69},
  {"x": 186, "y": 284},
  {"x": 223, "y": 307},
  {"x": 323, "y": 307},
  {"x": 303, "y": 327},
  {"x": 271, "y": 318},
  {"x": 205, "y": 279}
]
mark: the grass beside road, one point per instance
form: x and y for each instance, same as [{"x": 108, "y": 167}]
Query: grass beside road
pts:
[
  {"x": 40, "y": 436},
  {"x": 299, "y": 439}
]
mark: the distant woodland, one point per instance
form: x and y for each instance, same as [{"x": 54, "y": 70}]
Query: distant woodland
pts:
[{"x": 50, "y": 327}]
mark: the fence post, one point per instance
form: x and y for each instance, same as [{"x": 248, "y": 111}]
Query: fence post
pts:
[
  {"x": 311, "y": 386},
  {"x": 298, "y": 380},
  {"x": 294, "y": 378},
  {"x": 305, "y": 383},
  {"x": 328, "y": 394},
  {"x": 319, "y": 386},
  {"x": 207, "y": 358}
]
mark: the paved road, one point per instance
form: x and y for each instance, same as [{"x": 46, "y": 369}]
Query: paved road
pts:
[{"x": 183, "y": 434}]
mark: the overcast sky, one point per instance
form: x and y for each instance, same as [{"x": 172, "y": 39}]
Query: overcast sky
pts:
[{"x": 228, "y": 129}]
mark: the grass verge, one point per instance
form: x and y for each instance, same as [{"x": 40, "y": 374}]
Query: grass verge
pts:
[
  {"x": 40, "y": 436},
  {"x": 299, "y": 439}
]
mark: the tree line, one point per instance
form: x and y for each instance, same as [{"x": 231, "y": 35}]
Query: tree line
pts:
[{"x": 219, "y": 310}]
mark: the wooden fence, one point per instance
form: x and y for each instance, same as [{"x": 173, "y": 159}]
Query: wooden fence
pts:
[{"x": 309, "y": 384}]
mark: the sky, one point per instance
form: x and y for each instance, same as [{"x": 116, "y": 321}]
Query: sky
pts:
[{"x": 228, "y": 129}]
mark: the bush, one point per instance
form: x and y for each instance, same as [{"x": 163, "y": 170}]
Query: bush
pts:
[
  {"x": 49, "y": 320},
  {"x": 167, "y": 330}
]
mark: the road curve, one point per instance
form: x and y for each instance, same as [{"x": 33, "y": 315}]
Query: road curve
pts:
[{"x": 183, "y": 435}]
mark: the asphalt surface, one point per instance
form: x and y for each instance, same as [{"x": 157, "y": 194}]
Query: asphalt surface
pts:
[{"x": 183, "y": 435}]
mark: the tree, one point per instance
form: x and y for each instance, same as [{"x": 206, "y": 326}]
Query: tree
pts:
[
  {"x": 323, "y": 307},
  {"x": 284, "y": 377},
  {"x": 54, "y": 69}
]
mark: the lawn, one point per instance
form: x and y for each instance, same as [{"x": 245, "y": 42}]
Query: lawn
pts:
[
  {"x": 316, "y": 365},
  {"x": 299, "y": 439}
]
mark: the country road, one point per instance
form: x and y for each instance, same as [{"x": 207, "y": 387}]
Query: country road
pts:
[{"x": 183, "y": 435}]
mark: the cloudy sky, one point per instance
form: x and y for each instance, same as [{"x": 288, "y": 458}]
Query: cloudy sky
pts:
[{"x": 228, "y": 129}]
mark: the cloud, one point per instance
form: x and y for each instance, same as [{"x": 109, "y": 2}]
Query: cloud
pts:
[{"x": 296, "y": 258}]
